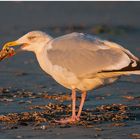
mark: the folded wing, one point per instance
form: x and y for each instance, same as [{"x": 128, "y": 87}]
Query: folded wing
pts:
[{"x": 84, "y": 54}]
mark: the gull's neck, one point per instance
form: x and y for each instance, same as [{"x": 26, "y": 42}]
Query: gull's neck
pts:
[
  {"x": 41, "y": 55},
  {"x": 39, "y": 48}
]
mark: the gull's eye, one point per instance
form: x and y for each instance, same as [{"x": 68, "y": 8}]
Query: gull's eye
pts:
[{"x": 31, "y": 37}]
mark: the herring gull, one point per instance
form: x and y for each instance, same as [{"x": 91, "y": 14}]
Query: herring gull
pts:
[{"x": 79, "y": 61}]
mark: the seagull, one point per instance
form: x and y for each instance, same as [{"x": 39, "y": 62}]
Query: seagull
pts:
[{"x": 79, "y": 62}]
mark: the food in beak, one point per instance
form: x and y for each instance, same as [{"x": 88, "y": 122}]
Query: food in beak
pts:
[{"x": 6, "y": 52}]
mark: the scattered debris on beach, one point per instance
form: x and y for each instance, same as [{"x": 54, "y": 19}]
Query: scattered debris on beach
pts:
[
  {"x": 129, "y": 97},
  {"x": 95, "y": 29},
  {"x": 135, "y": 136},
  {"x": 61, "y": 97},
  {"x": 49, "y": 113},
  {"x": 118, "y": 124},
  {"x": 44, "y": 116}
]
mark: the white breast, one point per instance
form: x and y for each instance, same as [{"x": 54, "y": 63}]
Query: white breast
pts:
[{"x": 44, "y": 61}]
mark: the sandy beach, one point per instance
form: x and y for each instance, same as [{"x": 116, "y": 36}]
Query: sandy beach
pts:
[{"x": 24, "y": 86}]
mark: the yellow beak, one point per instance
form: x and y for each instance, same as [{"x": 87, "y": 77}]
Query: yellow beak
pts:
[{"x": 10, "y": 44}]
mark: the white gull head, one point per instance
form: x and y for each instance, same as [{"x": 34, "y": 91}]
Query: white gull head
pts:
[{"x": 33, "y": 41}]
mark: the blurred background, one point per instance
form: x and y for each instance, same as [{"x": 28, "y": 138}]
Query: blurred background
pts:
[
  {"x": 116, "y": 21},
  {"x": 20, "y": 17}
]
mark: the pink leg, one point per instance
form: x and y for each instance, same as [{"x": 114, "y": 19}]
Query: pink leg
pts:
[
  {"x": 83, "y": 96},
  {"x": 73, "y": 118},
  {"x": 73, "y": 104}
]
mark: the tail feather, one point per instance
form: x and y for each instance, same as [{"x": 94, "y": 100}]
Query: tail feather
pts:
[
  {"x": 136, "y": 72},
  {"x": 130, "y": 69},
  {"x": 117, "y": 74}
]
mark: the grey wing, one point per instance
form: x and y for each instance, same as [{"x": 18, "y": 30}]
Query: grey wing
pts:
[{"x": 84, "y": 55}]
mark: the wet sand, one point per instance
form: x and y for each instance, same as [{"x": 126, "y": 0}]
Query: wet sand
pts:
[{"x": 23, "y": 84}]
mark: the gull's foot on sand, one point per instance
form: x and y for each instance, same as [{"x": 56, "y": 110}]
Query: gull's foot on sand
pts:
[{"x": 72, "y": 119}]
